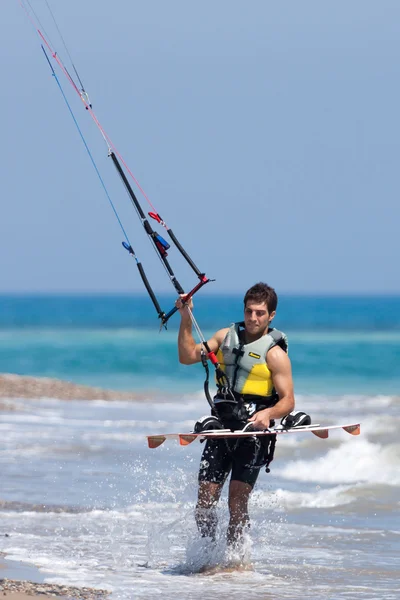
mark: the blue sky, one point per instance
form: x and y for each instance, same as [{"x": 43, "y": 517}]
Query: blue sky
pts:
[{"x": 266, "y": 134}]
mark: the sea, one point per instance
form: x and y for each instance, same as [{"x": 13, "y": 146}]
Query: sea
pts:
[{"x": 85, "y": 500}]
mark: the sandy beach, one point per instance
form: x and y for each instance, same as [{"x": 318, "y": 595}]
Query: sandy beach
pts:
[
  {"x": 27, "y": 590},
  {"x": 21, "y": 386},
  {"x": 19, "y": 581}
]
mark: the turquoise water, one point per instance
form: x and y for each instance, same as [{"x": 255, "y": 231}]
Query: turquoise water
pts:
[
  {"x": 337, "y": 344},
  {"x": 295, "y": 313},
  {"x": 85, "y": 499}
]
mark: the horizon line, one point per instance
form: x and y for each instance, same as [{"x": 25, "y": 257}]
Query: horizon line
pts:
[{"x": 140, "y": 294}]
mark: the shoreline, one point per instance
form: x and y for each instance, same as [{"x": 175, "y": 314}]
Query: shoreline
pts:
[
  {"x": 22, "y": 581},
  {"x": 14, "y": 386}
]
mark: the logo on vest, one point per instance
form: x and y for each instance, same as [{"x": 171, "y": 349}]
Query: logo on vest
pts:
[{"x": 253, "y": 355}]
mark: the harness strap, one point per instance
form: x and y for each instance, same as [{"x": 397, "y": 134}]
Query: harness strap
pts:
[
  {"x": 238, "y": 352},
  {"x": 271, "y": 451}
]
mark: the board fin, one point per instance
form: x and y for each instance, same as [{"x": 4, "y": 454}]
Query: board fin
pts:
[
  {"x": 353, "y": 429},
  {"x": 155, "y": 440},
  {"x": 321, "y": 433},
  {"x": 185, "y": 440}
]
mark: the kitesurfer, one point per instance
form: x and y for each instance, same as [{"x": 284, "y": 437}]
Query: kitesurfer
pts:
[{"x": 254, "y": 357}]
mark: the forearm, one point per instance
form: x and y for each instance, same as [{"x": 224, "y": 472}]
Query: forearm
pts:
[
  {"x": 186, "y": 342},
  {"x": 283, "y": 407}
]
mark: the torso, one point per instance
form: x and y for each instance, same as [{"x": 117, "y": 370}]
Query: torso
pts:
[{"x": 246, "y": 363}]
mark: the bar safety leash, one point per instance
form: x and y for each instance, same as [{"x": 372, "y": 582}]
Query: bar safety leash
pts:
[{"x": 223, "y": 383}]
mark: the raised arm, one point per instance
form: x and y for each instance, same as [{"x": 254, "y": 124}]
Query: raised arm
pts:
[
  {"x": 281, "y": 370},
  {"x": 190, "y": 352}
]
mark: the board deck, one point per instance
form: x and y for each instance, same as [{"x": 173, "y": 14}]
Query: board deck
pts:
[{"x": 187, "y": 438}]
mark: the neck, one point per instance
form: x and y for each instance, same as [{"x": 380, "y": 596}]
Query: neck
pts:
[{"x": 249, "y": 337}]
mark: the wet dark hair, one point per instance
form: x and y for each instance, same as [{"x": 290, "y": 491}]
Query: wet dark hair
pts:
[{"x": 261, "y": 292}]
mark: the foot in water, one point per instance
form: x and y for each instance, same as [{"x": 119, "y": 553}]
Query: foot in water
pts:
[
  {"x": 226, "y": 568},
  {"x": 235, "y": 557},
  {"x": 203, "y": 552}
]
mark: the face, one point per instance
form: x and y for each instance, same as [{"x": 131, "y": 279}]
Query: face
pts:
[{"x": 257, "y": 318}]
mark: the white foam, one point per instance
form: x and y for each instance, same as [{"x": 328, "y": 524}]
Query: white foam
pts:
[
  {"x": 357, "y": 460},
  {"x": 382, "y": 425},
  {"x": 328, "y": 404},
  {"x": 289, "y": 500}
]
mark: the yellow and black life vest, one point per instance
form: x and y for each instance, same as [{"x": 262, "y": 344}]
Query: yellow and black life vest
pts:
[{"x": 245, "y": 364}]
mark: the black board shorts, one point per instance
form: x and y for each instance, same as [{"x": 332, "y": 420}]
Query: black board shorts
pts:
[{"x": 243, "y": 458}]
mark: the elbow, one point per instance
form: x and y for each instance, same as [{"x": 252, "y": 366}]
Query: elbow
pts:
[
  {"x": 291, "y": 404},
  {"x": 185, "y": 360},
  {"x": 286, "y": 405}
]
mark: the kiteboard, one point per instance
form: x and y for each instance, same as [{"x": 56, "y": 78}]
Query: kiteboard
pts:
[{"x": 187, "y": 438}]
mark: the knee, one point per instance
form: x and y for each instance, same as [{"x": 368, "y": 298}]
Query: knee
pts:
[
  {"x": 239, "y": 497},
  {"x": 237, "y": 502},
  {"x": 206, "y": 501},
  {"x": 208, "y": 495}
]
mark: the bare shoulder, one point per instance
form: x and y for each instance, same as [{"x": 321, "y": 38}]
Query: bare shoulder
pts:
[
  {"x": 277, "y": 358},
  {"x": 220, "y": 335},
  {"x": 215, "y": 342}
]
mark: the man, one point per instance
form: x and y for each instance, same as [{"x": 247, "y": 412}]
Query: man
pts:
[{"x": 254, "y": 358}]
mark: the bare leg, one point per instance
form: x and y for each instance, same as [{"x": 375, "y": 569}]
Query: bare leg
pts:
[
  {"x": 206, "y": 516},
  {"x": 239, "y": 494}
]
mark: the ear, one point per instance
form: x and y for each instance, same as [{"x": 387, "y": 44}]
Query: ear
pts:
[{"x": 272, "y": 315}]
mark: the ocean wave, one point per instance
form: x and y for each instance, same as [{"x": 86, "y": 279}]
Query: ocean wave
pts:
[
  {"x": 357, "y": 460},
  {"x": 358, "y": 498},
  {"x": 342, "y": 403},
  {"x": 290, "y": 500}
]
